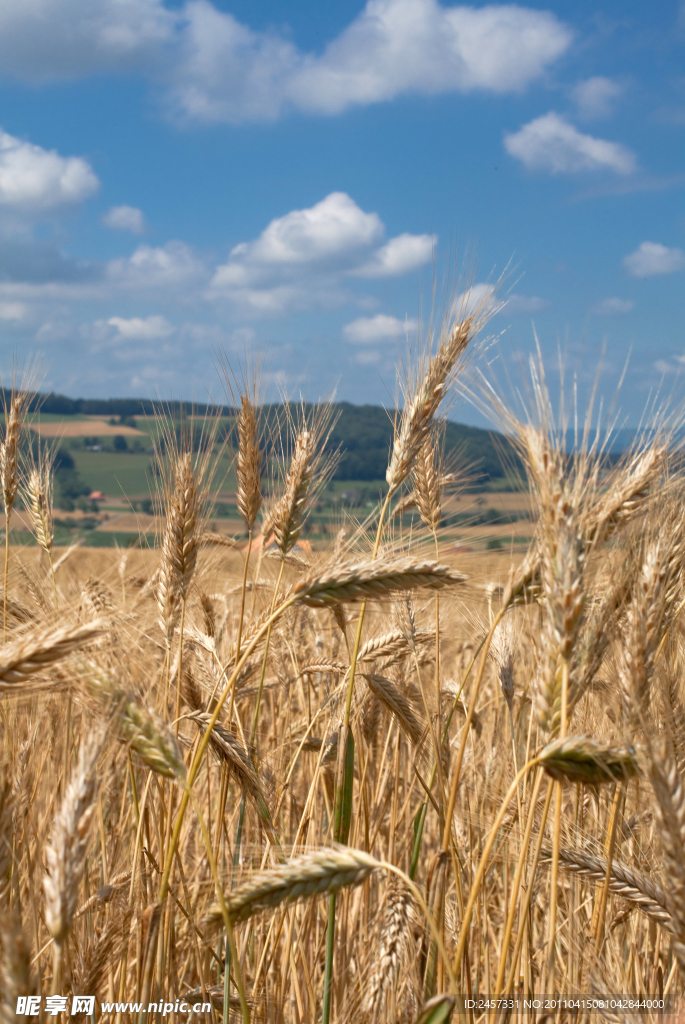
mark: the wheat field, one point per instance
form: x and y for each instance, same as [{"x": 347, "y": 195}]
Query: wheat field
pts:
[{"x": 383, "y": 781}]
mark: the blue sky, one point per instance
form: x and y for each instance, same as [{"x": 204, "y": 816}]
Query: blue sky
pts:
[{"x": 292, "y": 177}]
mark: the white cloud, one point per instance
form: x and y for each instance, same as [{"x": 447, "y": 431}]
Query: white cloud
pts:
[
  {"x": 652, "y": 258},
  {"x": 12, "y": 310},
  {"x": 612, "y": 307},
  {"x": 42, "y": 40},
  {"x": 332, "y": 228},
  {"x": 156, "y": 267},
  {"x": 33, "y": 179},
  {"x": 125, "y": 218},
  {"x": 302, "y": 259},
  {"x": 398, "y": 256},
  {"x": 141, "y": 328},
  {"x": 595, "y": 97},
  {"x": 550, "y": 143},
  {"x": 524, "y": 304},
  {"x": 371, "y": 329},
  {"x": 480, "y": 296},
  {"x": 402, "y": 46},
  {"x": 217, "y": 69}
]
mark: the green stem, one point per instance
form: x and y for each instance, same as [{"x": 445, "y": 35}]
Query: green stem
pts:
[
  {"x": 417, "y": 839},
  {"x": 227, "y": 980},
  {"x": 328, "y": 970},
  {"x": 238, "y": 837}
]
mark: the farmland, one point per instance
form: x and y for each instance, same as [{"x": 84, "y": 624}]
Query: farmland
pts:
[{"x": 446, "y": 719}]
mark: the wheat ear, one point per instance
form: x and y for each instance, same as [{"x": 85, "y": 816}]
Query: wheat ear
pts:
[
  {"x": 36, "y": 651},
  {"x": 287, "y": 518},
  {"x": 420, "y": 408},
  {"x": 393, "y": 948},
  {"x": 180, "y": 545},
  {"x": 362, "y": 581},
  {"x": 65, "y": 855},
  {"x": 630, "y": 885},
  {"x": 325, "y": 870},
  {"x": 235, "y": 758},
  {"x": 249, "y": 496},
  {"x": 670, "y": 796},
  {"x": 15, "y": 967},
  {"x": 9, "y": 449},
  {"x": 397, "y": 704}
]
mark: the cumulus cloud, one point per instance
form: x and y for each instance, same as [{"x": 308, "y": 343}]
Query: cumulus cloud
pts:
[
  {"x": 216, "y": 69},
  {"x": 333, "y": 228},
  {"x": 402, "y": 46},
  {"x": 303, "y": 258},
  {"x": 595, "y": 97},
  {"x": 141, "y": 328},
  {"x": 165, "y": 266},
  {"x": 480, "y": 296},
  {"x": 652, "y": 258},
  {"x": 612, "y": 307},
  {"x": 550, "y": 143},
  {"x": 398, "y": 256},
  {"x": 125, "y": 218},
  {"x": 34, "y": 180},
  {"x": 367, "y": 330}
]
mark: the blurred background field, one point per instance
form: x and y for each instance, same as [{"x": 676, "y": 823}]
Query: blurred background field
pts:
[{"x": 105, "y": 474}]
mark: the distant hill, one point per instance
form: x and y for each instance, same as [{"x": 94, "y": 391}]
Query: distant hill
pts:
[{"x": 363, "y": 432}]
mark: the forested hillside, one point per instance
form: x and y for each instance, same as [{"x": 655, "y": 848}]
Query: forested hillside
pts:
[{"x": 362, "y": 432}]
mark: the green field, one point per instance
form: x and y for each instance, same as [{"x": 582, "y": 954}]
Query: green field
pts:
[{"x": 119, "y": 475}]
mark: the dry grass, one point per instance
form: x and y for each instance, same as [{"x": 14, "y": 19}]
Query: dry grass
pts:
[{"x": 480, "y": 762}]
